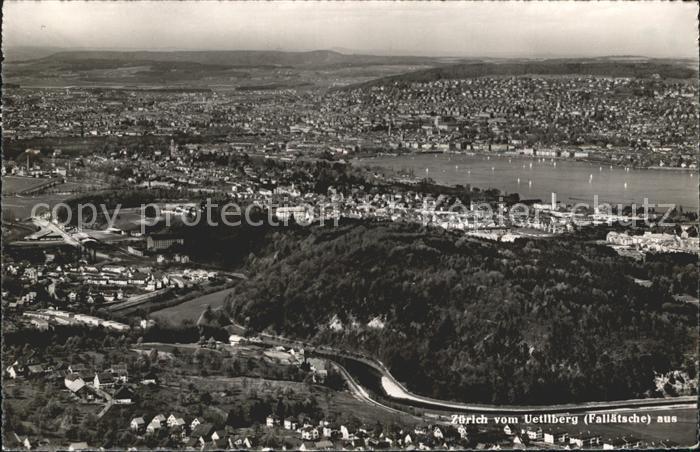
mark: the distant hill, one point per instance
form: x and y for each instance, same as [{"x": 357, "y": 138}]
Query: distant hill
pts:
[
  {"x": 239, "y": 68},
  {"x": 23, "y": 53},
  {"x": 237, "y": 58},
  {"x": 207, "y": 68},
  {"x": 636, "y": 67}
]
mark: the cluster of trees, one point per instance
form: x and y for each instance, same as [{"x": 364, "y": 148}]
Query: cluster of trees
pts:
[
  {"x": 556, "y": 320},
  {"x": 42, "y": 410},
  {"x": 184, "y": 333},
  {"x": 676, "y": 273},
  {"x": 61, "y": 338},
  {"x": 62, "y": 254}
]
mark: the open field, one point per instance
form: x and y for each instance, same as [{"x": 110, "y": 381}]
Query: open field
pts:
[
  {"x": 219, "y": 80},
  {"x": 191, "y": 310},
  {"x": 15, "y": 184},
  {"x": 21, "y": 206},
  {"x": 129, "y": 219},
  {"x": 166, "y": 301},
  {"x": 133, "y": 218},
  {"x": 206, "y": 71},
  {"x": 75, "y": 186}
]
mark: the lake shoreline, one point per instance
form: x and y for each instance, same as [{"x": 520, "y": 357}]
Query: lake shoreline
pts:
[
  {"x": 538, "y": 178},
  {"x": 525, "y": 157}
]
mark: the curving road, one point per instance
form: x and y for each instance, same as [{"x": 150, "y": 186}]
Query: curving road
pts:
[
  {"x": 397, "y": 393},
  {"x": 361, "y": 394}
]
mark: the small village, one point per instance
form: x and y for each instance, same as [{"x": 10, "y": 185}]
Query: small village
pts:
[{"x": 113, "y": 387}]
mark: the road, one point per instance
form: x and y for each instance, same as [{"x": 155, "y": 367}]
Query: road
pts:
[
  {"x": 361, "y": 394},
  {"x": 397, "y": 393},
  {"x": 45, "y": 224}
]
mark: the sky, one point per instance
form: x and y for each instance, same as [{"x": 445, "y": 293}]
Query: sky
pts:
[{"x": 461, "y": 29}]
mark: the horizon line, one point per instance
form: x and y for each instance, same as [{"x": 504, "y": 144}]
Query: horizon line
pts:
[{"x": 348, "y": 52}]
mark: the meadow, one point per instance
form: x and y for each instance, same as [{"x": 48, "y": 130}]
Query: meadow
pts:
[
  {"x": 192, "y": 309},
  {"x": 14, "y": 184},
  {"x": 21, "y": 206}
]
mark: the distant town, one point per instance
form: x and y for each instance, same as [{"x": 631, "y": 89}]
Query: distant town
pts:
[{"x": 602, "y": 119}]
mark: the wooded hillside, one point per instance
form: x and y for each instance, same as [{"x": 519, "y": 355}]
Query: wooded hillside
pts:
[{"x": 536, "y": 321}]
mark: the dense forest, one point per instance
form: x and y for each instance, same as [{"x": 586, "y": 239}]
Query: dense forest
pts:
[{"x": 535, "y": 321}]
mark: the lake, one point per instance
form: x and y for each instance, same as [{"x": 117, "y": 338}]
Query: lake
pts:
[{"x": 572, "y": 181}]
